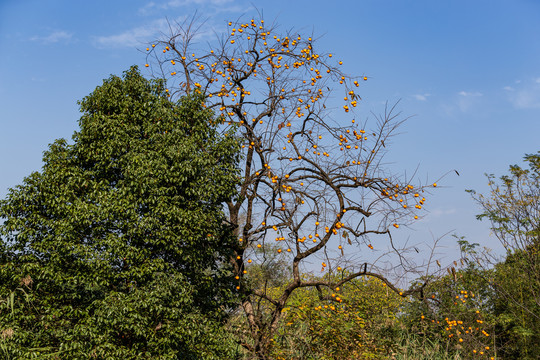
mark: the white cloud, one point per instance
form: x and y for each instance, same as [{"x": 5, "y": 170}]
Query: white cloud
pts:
[
  {"x": 54, "y": 37},
  {"x": 527, "y": 99},
  {"x": 132, "y": 37},
  {"x": 470, "y": 94},
  {"x": 467, "y": 100},
  {"x": 463, "y": 102},
  {"x": 143, "y": 34},
  {"x": 148, "y": 8},
  {"x": 526, "y": 95},
  {"x": 442, "y": 212},
  {"x": 179, "y": 3},
  {"x": 509, "y": 88},
  {"x": 421, "y": 97}
]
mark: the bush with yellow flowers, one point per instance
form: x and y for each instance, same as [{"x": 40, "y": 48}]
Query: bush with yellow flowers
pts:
[{"x": 352, "y": 321}]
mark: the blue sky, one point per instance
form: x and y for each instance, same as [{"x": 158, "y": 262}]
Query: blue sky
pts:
[{"x": 466, "y": 72}]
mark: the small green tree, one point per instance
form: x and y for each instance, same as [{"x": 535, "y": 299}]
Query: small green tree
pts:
[
  {"x": 516, "y": 308},
  {"x": 513, "y": 208},
  {"x": 117, "y": 248}
]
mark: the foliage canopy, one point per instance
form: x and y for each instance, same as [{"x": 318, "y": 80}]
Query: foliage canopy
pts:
[{"x": 118, "y": 247}]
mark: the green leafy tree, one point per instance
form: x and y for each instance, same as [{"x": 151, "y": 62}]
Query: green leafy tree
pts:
[
  {"x": 516, "y": 308},
  {"x": 513, "y": 208},
  {"x": 117, "y": 249}
]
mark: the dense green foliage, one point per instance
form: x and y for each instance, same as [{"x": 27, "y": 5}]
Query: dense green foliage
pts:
[
  {"x": 513, "y": 208},
  {"x": 117, "y": 249},
  {"x": 517, "y": 307}
]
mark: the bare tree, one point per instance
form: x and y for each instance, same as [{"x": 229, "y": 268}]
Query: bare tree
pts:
[{"x": 313, "y": 181}]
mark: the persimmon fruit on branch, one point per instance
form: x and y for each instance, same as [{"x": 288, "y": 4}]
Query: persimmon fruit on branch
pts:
[{"x": 313, "y": 180}]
